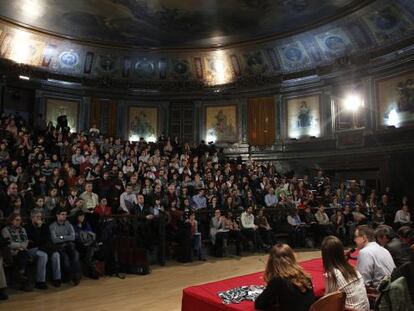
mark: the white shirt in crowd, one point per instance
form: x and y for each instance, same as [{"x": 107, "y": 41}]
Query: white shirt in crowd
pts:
[
  {"x": 374, "y": 263},
  {"x": 247, "y": 220},
  {"x": 402, "y": 217},
  {"x": 127, "y": 200}
]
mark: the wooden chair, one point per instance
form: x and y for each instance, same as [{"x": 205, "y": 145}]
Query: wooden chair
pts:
[{"x": 331, "y": 302}]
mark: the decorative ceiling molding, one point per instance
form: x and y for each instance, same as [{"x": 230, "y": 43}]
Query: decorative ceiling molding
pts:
[{"x": 377, "y": 28}]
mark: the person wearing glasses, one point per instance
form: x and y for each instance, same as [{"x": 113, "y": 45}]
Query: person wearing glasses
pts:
[{"x": 374, "y": 262}]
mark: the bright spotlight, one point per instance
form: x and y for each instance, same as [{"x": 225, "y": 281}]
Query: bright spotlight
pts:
[
  {"x": 393, "y": 118},
  {"x": 353, "y": 102},
  {"x": 151, "y": 139},
  {"x": 133, "y": 138},
  {"x": 211, "y": 138}
]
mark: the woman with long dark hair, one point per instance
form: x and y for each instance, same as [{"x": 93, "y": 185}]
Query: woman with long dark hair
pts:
[
  {"x": 342, "y": 276},
  {"x": 287, "y": 284}
]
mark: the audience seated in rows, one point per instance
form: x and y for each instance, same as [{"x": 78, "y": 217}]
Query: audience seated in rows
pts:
[{"x": 61, "y": 173}]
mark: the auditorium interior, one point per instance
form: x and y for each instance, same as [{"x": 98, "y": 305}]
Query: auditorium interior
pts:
[{"x": 203, "y": 155}]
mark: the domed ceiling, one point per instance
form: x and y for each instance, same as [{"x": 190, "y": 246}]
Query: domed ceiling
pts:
[
  {"x": 174, "y": 23},
  {"x": 172, "y": 44}
]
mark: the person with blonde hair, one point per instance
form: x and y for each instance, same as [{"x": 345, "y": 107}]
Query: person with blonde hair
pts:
[
  {"x": 287, "y": 284},
  {"x": 342, "y": 276}
]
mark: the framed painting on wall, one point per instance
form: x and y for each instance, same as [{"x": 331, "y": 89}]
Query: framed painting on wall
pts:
[
  {"x": 56, "y": 107},
  {"x": 221, "y": 123},
  {"x": 395, "y": 98},
  {"x": 347, "y": 118},
  {"x": 303, "y": 116},
  {"x": 143, "y": 122}
]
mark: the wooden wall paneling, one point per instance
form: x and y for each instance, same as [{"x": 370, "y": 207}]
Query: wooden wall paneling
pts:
[
  {"x": 104, "y": 115},
  {"x": 111, "y": 122},
  {"x": 175, "y": 120},
  {"x": 95, "y": 116},
  {"x": 187, "y": 122},
  {"x": 182, "y": 121},
  {"x": 261, "y": 121}
]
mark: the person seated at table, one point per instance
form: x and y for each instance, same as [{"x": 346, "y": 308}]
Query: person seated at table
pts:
[
  {"x": 374, "y": 262},
  {"x": 386, "y": 237},
  {"x": 342, "y": 276},
  {"x": 287, "y": 284}
]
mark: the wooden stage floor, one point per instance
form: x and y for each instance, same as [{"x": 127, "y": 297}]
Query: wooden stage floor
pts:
[{"x": 159, "y": 291}]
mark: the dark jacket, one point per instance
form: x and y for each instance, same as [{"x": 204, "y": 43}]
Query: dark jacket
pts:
[
  {"x": 140, "y": 212},
  {"x": 288, "y": 296},
  {"x": 400, "y": 252},
  {"x": 38, "y": 236},
  {"x": 406, "y": 270}
]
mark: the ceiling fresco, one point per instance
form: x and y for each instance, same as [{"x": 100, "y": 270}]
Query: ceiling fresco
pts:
[
  {"x": 380, "y": 24},
  {"x": 173, "y": 23}
]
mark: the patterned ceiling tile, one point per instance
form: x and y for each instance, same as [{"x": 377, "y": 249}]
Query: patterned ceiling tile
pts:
[
  {"x": 294, "y": 56},
  {"x": 388, "y": 22},
  {"x": 334, "y": 43}
]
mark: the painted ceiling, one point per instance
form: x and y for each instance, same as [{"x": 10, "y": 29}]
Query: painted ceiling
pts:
[
  {"x": 174, "y": 23},
  {"x": 378, "y": 26}
]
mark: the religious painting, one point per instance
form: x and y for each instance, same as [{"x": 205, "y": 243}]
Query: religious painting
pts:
[
  {"x": 143, "y": 122},
  {"x": 303, "y": 116},
  {"x": 57, "y": 107},
  {"x": 395, "y": 96},
  {"x": 221, "y": 123},
  {"x": 218, "y": 70}
]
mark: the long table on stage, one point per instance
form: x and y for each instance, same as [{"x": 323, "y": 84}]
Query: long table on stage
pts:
[{"x": 204, "y": 297}]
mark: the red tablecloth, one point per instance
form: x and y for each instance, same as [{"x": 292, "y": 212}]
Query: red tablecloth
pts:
[{"x": 204, "y": 297}]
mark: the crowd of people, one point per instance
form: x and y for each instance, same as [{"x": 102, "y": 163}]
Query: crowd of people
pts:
[{"x": 60, "y": 192}]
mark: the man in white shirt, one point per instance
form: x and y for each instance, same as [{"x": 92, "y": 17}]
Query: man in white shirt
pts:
[
  {"x": 374, "y": 261},
  {"x": 250, "y": 229},
  {"x": 127, "y": 200},
  {"x": 90, "y": 199}
]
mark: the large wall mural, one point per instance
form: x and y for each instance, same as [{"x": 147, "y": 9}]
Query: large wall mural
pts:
[{"x": 376, "y": 25}]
